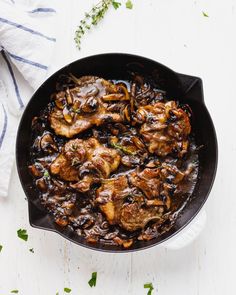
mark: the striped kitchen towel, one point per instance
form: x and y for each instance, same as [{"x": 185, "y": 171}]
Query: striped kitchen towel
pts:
[{"x": 27, "y": 39}]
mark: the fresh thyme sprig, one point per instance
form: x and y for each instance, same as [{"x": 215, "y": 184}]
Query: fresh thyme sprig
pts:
[{"x": 94, "y": 16}]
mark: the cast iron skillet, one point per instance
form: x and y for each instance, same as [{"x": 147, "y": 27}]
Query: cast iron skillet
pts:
[{"x": 186, "y": 89}]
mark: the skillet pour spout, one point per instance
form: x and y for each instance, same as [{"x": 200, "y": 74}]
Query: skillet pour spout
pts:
[{"x": 118, "y": 66}]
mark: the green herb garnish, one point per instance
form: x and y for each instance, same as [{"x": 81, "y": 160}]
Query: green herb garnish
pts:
[
  {"x": 1, "y": 248},
  {"x": 205, "y": 14},
  {"x": 15, "y": 291},
  {"x": 116, "y": 4},
  {"x": 57, "y": 293},
  {"x": 94, "y": 16},
  {"x": 150, "y": 287},
  {"x": 92, "y": 282},
  {"x": 121, "y": 148},
  {"x": 22, "y": 234},
  {"x": 129, "y": 4},
  {"x": 31, "y": 250},
  {"x": 46, "y": 173},
  {"x": 67, "y": 290}
]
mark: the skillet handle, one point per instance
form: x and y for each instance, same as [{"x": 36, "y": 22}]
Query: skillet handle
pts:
[
  {"x": 188, "y": 234},
  {"x": 192, "y": 87}
]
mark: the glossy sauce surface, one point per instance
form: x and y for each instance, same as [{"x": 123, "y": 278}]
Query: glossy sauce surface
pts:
[{"x": 124, "y": 164}]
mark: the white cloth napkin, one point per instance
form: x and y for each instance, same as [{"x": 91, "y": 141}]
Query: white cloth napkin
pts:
[{"x": 27, "y": 40}]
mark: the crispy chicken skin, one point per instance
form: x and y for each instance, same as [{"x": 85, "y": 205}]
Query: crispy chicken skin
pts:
[
  {"x": 90, "y": 103},
  {"x": 85, "y": 162},
  {"x": 164, "y": 128}
]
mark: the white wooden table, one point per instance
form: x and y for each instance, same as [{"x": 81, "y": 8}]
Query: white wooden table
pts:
[{"x": 177, "y": 34}]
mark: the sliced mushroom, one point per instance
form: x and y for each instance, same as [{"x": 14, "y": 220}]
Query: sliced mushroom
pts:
[
  {"x": 67, "y": 115},
  {"x": 69, "y": 97},
  {"x": 61, "y": 221},
  {"x": 90, "y": 105},
  {"x": 41, "y": 184},
  {"x": 139, "y": 144},
  {"x": 36, "y": 170},
  {"x": 60, "y": 99},
  {"x": 126, "y": 113},
  {"x": 114, "y": 97},
  {"x": 47, "y": 143}
]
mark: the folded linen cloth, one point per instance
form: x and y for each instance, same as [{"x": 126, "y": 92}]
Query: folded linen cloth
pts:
[{"x": 27, "y": 40}]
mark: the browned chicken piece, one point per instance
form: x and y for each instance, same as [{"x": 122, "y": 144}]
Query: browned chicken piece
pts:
[
  {"x": 93, "y": 102},
  {"x": 148, "y": 191},
  {"x": 132, "y": 149},
  {"x": 134, "y": 217},
  {"x": 85, "y": 162},
  {"x": 148, "y": 181},
  {"x": 165, "y": 128},
  {"x": 111, "y": 197}
]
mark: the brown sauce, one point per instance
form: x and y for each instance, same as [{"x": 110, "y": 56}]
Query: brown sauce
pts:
[{"x": 146, "y": 135}]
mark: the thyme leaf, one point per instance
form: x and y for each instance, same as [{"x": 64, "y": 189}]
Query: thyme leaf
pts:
[
  {"x": 150, "y": 287},
  {"x": 205, "y": 14},
  {"x": 121, "y": 148},
  {"x": 94, "y": 16}
]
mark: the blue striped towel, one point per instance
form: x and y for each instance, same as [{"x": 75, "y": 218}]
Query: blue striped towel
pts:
[{"x": 27, "y": 40}]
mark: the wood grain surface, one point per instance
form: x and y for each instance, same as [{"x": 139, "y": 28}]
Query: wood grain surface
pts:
[{"x": 177, "y": 34}]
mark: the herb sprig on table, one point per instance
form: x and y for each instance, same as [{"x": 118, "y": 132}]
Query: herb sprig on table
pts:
[
  {"x": 95, "y": 15},
  {"x": 205, "y": 14},
  {"x": 150, "y": 287},
  {"x": 22, "y": 234},
  {"x": 92, "y": 282}
]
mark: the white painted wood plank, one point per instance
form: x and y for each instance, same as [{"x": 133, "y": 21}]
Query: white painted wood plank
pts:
[{"x": 176, "y": 34}]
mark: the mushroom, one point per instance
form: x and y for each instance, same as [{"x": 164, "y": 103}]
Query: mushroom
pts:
[
  {"x": 60, "y": 99},
  {"x": 114, "y": 97},
  {"x": 47, "y": 143},
  {"x": 41, "y": 184},
  {"x": 69, "y": 97},
  {"x": 90, "y": 105},
  {"x": 36, "y": 170},
  {"x": 68, "y": 116}
]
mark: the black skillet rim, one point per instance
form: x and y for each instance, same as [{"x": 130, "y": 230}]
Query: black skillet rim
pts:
[{"x": 86, "y": 245}]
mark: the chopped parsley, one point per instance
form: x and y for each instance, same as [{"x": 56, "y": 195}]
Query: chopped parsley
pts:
[
  {"x": 31, "y": 250},
  {"x": 46, "y": 173},
  {"x": 94, "y": 16},
  {"x": 57, "y": 293},
  {"x": 15, "y": 291},
  {"x": 116, "y": 4},
  {"x": 67, "y": 290},
  {"x": 205, "y": 14},
  {"x": 1, "y": 248},
  {"x": 129, "y": 4},
  {"x": 22, "y": 234},
  {"x": 121, "y": 148},
  {"x": 92, "y": 282},
  {"x": 150, "y": 287}
]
